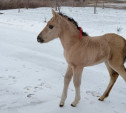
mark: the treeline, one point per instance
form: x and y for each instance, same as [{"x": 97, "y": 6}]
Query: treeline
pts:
[{"x": 12, "y": 4}]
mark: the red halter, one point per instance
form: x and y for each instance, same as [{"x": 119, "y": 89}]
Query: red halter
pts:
[{"x": 80, "y": 35}]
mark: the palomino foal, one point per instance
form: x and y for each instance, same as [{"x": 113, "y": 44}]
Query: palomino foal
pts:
[{"x": 85, "y": 51}]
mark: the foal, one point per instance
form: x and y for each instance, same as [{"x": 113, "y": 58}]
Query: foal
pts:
[{"x": 85, "y": 51}]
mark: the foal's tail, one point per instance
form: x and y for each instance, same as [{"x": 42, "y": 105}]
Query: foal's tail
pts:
[
  {"x": 124, "y": 76},
  {"x": 125, "y": 52}
]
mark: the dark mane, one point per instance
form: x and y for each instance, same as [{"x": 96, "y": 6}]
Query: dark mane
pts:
[{"x": 74, "y": 22}]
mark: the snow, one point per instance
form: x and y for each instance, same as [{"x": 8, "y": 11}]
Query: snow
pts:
[{"x": 31, "y": 74}]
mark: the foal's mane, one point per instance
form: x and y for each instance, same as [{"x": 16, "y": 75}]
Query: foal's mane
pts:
[{"x": 74, "y": 22}]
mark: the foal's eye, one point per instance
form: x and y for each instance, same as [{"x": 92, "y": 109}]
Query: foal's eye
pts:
[{"x": 51, "y": 26}]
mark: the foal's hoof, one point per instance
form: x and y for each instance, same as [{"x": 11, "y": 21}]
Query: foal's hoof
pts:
[
  {"x": 73, "y": 105},
  {"x": 61, "y": 105},
  {"x": 101, "y": 99}
]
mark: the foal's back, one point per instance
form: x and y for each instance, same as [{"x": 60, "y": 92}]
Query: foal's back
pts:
[{"x": 100, "y": 49}]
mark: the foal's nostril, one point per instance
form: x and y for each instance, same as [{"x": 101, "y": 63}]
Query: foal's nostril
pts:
[{"x": 39, "y": 39}]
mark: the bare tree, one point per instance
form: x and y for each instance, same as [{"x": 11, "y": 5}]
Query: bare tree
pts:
[
  {"x": 27, "y": 4},
  {"x": 73, "y": 3},
  {"x": 95, "y": 6},
  {"x": 57, "y": 5},
  {"x": 103, "y": 5},
  {"x": 18, "y": 5}
]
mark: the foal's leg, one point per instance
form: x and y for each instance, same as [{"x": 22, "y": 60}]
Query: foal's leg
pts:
[
  {"x": 113, "y": 77},
  {"x": 67, "y": 80},
  {"x": 77, "y": 73},
  {"x": 117, "y": 64},
  {"x": 121, "y": 70}
]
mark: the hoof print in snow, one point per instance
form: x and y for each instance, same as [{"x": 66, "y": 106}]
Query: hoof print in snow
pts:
[
  {"x": 93, "y": 93},
  {"x": 30, "y": 95}
]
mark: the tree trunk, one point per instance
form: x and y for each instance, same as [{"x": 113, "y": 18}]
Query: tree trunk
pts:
[
  {"x": 57, "y": 6},
  {"x": 27, "y": 4},
  {"x": 95, "y": 6},
  {"x": 73, "y": 3},
  {"x": 103, "y": 5}
]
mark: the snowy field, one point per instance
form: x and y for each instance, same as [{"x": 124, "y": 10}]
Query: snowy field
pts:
[{"x": 31, "y": 74}]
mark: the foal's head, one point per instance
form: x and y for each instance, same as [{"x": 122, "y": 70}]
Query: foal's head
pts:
[{"x": 51, "y": 30}]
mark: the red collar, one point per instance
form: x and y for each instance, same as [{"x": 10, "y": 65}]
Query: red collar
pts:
[{"x": 80, "y": 35}]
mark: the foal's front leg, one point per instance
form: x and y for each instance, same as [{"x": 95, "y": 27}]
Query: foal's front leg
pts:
[
  {"x": 67, "y": 80},
  {"x": 77, "y": 74}
]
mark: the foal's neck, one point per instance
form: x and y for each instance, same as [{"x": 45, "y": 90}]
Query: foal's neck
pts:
[{"x": 69, "y": 36}]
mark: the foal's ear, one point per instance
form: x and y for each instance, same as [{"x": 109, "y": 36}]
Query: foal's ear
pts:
[
  {"x": 56, "y": 16},
  {"x": 54, "y": 13}
]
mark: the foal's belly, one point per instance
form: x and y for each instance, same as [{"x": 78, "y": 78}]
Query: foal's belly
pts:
[
  {"x": 95, "y": 62},
  {"x": 87, "y": 59}
]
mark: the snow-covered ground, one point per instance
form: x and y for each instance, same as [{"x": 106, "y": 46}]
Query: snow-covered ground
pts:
[{"x": 31, "y": 74}]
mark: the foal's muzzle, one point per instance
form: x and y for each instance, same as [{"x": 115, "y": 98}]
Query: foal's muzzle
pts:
[{"x": 39, "y": 39}]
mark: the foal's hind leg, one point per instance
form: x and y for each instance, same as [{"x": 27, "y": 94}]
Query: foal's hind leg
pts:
[
  {"x": 121, "y": 70},
  {"x": 113, "y": 77},
  {"x": 117, "y": 64}
]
